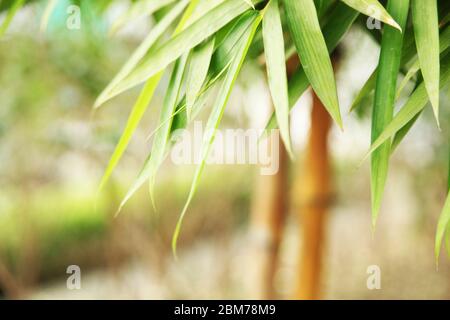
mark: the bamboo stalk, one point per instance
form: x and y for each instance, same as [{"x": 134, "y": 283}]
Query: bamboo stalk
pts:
[{"x": 314, "y": 193}]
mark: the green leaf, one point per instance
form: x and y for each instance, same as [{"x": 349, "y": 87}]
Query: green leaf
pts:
[
  {"x": 200, "y": 60},
  {"x": 444, "y": 43},
  {"x": 443, "y": 224},
  {"x": 385, "y": 91},
  {"x": 49, "y": 9},
  {"x": 412, "y": 107},
  {"x": 341, "y": 19},
  {"x": 139, "y": 9},
  {"x": 10, "y": 15},
  {"x": 138, "y": 111},
  {"x": 162, "y": 134},
  {"x": 216, "y": 115},
  {"x": 276, "y": 69},
  {"x": 140, "y": 52},
  {"x": 183, "y": 42},
  {"x": 408, "y": 53},
  {"x": 373, "y": 8},
  {"x": 366, "y": 90},
  {"x": 312, "y": 49},
  {"x": 426, "y": 29},
  {"x": 133, "y": 121}
]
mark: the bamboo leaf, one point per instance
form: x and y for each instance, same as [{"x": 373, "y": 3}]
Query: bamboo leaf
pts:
[
  {"x": 138, "y": 110},
  {"x": 215, "y": 117},
  {"x": 312, "y": 49},
  {"x": 383, "y": 110},
  {"x": 443, "y": 224},
  {"x": 444, "y": 43},
  {"x": 200, "y": 61},
  {"x": 374, "y": 9},
  {"x": 139, "y": 9},
  {"x": 140, "y": 52},
  {"x": 340, "y": 21},
  {"x": 134, "y": 118},
  {"x": 412, "y": 107},
  {"x": 49, "y": 9},
  {"x": 276, "y": 69},
  {"x": 189, "y": 38},
  {"x": 10, "y": 15},
  {"x": 366, "y": 90},
  {"x": 162, "y": 134},
  {"x": 426, "y": 29}
]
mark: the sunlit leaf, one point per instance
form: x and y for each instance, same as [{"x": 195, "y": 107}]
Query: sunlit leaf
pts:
[
  {"x": 412, "y": 107},
  {"x": 443, "y": 224},
  {"x": 215, "y": 117},
  {"x": 341, "y": 19},
  {"x": 138, "y": 111},
  {"x": 140, "y": 52},
  {"x": 385, "y": 92},
  {"x": 426, "y": 29},
  {"x": 17, "y": 4},
  {"x": 276, "y": 69},
  {"x": 198, "y": 70},
  {"x": 49, "y": 9},
  {"x": 160, "y": 141},
  {"x": 138, "y": 9},
  {"x": 312, "y": 49},
  {"x": 189, "y": 38},
  {"x": 373, "y": 8}
]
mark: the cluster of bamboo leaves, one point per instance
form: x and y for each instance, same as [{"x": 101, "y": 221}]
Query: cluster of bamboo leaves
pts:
[{"x": 202, "y": 45}]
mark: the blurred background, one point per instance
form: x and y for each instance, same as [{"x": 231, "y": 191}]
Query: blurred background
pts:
[{"x": 54, "y": 149}]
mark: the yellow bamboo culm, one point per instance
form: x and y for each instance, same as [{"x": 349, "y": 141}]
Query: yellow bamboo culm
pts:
[
  {"x": 314, "y": 195},
  {"x": 267, "y": 220}
]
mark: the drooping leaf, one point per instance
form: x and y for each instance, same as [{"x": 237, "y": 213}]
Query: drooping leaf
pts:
[
  {"x": 426, "y": 29},
  {"x": 200, "y": 61},
  {"x": 215, "y": 117},
  {"x": 162, "y": 135},
  {"x": 312, "y": 49},
  {"x": 366, "y": 90},
  {"x": 138, "y": 111},
  {"x": 140, "y": 52},
  {"x": 412, "y": 107},
  {"x": 49, "y": 9},
  {"x": 374, "y": 9},
  {"x": 10, "y": 15},
  {"x": 341, "y": 19},
  {"x": 138, "y": 10},
  {"x": 385, "y": 92},
  {"x": 444, "y": 43},
  {"x": 183, "y": 42},
  {"x": 443, "y": 224},
  {"x": 276, "y": 69}
]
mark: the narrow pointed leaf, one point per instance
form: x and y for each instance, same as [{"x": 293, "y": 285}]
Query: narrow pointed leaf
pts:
[
  {"x": 138, "y": 110},
  {"x": 189, "y": 38},
  {"x": 385, "y": 91},
  {"x": 200, "y": 61},
  {"x": 49, "y": 9},
  {"x": 412, "y": 107},
  {"x": 162, "y": 135},
  {"x": 140, "y": 52},
  {"x": 374, "y": 9},
  {"x": 10, "y": 15},
  {"x": 341, "y": 19},
  {"x": 426, "y": 29},
  {"x": 216, "y": 116},
  {"x": 312, "y": 49},
  {"x": 443, "y": 225},
  {"x": 139, "y": 9},
  {"x": 276, "y": 69}
]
